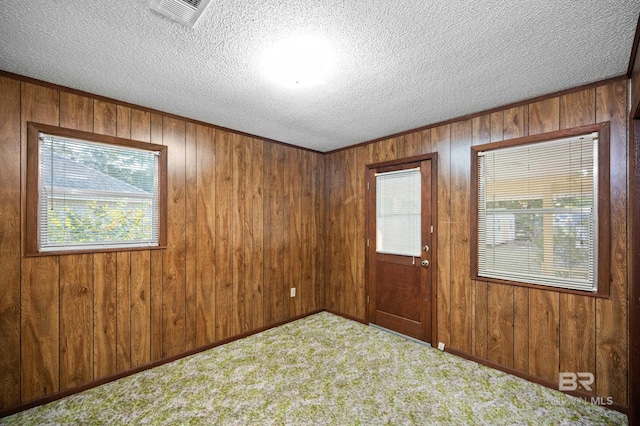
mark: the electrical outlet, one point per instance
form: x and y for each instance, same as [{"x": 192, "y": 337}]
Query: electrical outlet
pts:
[
  {"x": 293, "y": 292},
  {"x": 441, "y": 346}
]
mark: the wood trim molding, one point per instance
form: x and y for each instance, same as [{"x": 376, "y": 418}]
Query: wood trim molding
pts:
[
  {"x": 238, "y": 132},
  {"x": 406, "y": 160},
  {"x": 345, "y": 316},
  {"x": 634, "y": 265},
  {"x": 485, "y": 112},
  {"x": 143, "y": 108},
  {"x": 546, "y": 383},
  {"x": 59, "y": 395},
  {"x": 634, "y": 50}
]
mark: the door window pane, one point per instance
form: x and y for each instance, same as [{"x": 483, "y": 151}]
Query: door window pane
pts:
[{"x": 398, "y": 212}]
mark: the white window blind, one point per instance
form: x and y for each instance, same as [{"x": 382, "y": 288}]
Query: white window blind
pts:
[
  {"x": 94, "y": 195},
  {"x": 398, "y": 212},
  {"x": 537, "y": 213}
]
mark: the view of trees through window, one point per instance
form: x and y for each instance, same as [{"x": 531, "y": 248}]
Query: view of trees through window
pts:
[
  {"x": 98, "y": 221},
  {"x": 95, "y": 193}
]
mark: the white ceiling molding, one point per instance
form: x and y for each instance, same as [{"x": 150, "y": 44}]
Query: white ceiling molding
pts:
[{"x": 394, "y": 66}]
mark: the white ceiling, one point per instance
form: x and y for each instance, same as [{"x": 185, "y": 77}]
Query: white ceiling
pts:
[{"x": 396, "y": 65}]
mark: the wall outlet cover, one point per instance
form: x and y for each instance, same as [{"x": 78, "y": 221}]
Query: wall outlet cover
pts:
[
  {"x": 293, "y": 292},
  {"x": 441, "y": 346}
]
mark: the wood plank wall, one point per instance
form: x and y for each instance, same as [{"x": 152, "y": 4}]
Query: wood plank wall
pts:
[
  {"x": 245, "y": 218},
  {"x": 245, "y": 223},
  {"x": 537, "y": 332}
]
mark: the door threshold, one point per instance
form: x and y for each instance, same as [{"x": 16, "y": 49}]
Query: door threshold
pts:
[{"x": 404, "y": 336}]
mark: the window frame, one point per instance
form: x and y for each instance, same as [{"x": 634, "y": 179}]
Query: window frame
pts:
[
  {"x": 32, "y": 186},
  {"x": 603, "y": 233}
]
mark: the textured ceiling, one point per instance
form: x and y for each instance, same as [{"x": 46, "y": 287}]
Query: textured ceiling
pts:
[{"x": 395, "y": 65}]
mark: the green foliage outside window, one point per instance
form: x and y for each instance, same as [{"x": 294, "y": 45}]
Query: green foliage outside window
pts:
[{"x": 94, "y": 221}]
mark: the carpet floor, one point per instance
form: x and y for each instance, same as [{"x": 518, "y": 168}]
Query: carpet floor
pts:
[{"x": 322, "y": 369}]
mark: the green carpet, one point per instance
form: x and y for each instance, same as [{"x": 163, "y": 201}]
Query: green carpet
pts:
[{"x": 323, "y": 369}]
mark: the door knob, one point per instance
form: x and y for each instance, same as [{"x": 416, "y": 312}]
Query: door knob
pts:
[{"x": 425, "y": 263}]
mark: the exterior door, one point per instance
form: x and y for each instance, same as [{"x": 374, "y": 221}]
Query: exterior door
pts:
[{"x": 400, "y": 252}]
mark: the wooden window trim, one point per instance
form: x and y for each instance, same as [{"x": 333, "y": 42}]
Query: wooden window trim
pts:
[
  {"x": 33, "y": 162},
  {"x": 604, "y": 202}
]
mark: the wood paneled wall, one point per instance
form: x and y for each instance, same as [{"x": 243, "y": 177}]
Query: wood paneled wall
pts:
[
  {"x": 245, "y": 223},
  {"x": 249, "y": 219},
  {"x": 537, "y": 332}
]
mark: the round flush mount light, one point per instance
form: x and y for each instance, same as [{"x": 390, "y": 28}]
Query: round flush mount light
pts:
[{"x": 298, "y": 62}]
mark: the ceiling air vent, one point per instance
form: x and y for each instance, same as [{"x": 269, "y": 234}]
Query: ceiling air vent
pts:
[{"x": 185, "y": 12}]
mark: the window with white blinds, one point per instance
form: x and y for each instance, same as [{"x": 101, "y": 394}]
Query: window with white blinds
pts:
[
  {"x": 398, "y": 212},
  {"x": 537, "y": 213},
  {"x": 96, "y": 196}
]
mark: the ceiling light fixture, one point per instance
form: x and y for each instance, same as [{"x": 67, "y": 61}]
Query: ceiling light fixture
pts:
[{"x": 299, "y": 62}]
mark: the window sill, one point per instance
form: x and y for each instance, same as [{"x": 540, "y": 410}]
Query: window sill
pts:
[{"x": 106, "y": 250}]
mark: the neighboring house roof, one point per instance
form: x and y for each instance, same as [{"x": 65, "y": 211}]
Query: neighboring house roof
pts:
[{"x": 69, "y": 174}]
